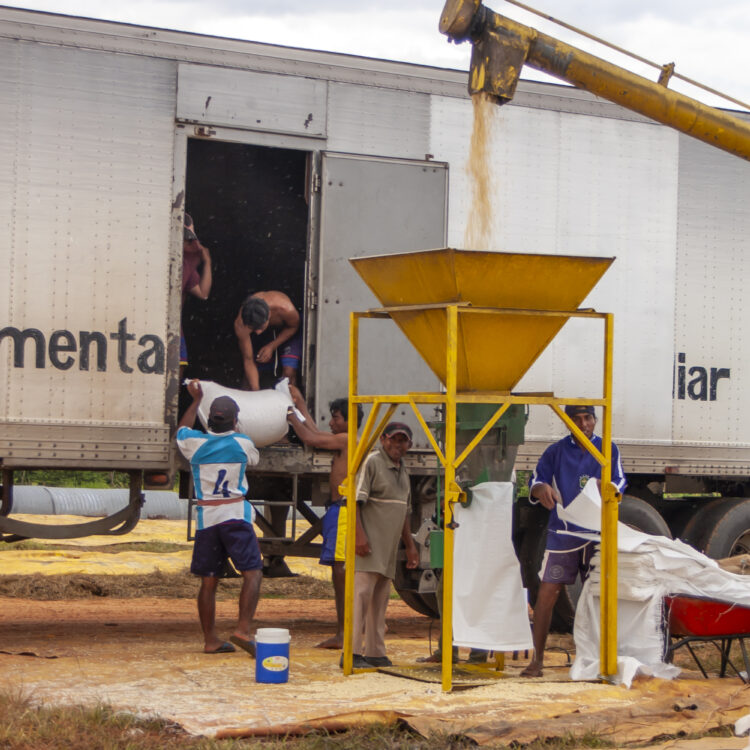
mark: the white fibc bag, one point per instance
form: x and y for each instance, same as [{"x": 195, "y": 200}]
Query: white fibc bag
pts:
[{"x": 262, "y": 413}]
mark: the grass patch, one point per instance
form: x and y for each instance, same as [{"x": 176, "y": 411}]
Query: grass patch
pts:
[
  {"x": 27, "y": 726},
  {"x": 156, "y": 546},
  {"x": 567, "y": 742},
  {"x": 68, "y": 478},
  {"x": 158, "y": 584}
]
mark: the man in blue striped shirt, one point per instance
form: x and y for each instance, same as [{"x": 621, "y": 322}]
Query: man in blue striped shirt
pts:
[
  {"x": 561, "y": 474},
  {"x": 224, "y": 529}
]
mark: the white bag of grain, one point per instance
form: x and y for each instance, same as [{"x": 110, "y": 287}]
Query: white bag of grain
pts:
[{"x": 262, "y": 414}]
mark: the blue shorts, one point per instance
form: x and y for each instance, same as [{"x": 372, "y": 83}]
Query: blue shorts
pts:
[
  {"x": 334, "y": 534},
  {"x": 233, "y": 539},
  {"x": 183, "y": 351},
  {"x": 563, "y": 566},
  {"x": 291, "y": 352},
  {"x": 287, "y": 355}
]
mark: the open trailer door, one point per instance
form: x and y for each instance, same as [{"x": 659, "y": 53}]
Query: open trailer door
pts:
[{"x": 372, "y": 206}]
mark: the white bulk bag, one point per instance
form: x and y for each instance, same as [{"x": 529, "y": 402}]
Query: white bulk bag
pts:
[{"x": 262, "y": 413}]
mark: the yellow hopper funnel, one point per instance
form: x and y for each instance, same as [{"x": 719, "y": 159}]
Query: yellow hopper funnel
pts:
[{"x": 495, "y": 347}]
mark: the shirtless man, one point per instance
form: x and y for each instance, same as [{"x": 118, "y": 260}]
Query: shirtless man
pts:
[
  {"x": 334, "y": 521},
  {"x": 272, "y": 318}
]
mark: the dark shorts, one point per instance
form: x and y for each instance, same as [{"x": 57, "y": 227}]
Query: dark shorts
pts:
[
  {"x": 287, "y": 355},
  {"x": 563, "y": 566},
  {"x": 291, "y": 352},
  {"x": 334, "y": 534},
  {"x": 183, "y": 351},
  {"x": 233, "y": 539}
]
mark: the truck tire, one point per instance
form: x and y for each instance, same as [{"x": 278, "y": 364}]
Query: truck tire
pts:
[
  {"x": 425, "y": 604},
  {"x": 705, "y": 519},
  {"x": 639, "y": 515},
  {"x": 730, "y": 533}
]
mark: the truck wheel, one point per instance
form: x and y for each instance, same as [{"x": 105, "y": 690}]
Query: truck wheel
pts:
[
  {"x": 705, "y": 519},
  {"x": 425, "y": 604},
  {"x": 406, "y": 584},
  {"x": 639, "y": 515},
  {"x": 730, "y": 534}
]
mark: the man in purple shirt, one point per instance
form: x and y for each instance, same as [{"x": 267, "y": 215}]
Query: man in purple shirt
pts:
[{"x": 560, "y": 475}]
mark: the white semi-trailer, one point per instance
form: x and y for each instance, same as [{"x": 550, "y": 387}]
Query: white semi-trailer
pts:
[{"x": 291, "y": 161}]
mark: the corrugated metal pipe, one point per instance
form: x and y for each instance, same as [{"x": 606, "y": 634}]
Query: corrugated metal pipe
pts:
[{"x": 74, "y": 501}]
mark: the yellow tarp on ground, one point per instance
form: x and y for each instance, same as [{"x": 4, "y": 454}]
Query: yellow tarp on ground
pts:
[
  {"x": 147, "y": 658},
  {"x": 93, "y": 562}
]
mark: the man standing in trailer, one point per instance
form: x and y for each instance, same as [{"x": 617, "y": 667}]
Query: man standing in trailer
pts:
[
  {"x": 268, "y": 335},
  {"x": 194, "y": 281},
  {"x": 561, "y": 474}
]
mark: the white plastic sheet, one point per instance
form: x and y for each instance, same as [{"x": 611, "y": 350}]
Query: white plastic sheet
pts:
[
  {"x": 648, "y": 569},
  {"x": 262, "y": 413},
  {"x": 489, "y": 601}
]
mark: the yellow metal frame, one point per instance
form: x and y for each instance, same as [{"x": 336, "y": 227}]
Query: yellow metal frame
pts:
[{"x": 376, "y": 422}]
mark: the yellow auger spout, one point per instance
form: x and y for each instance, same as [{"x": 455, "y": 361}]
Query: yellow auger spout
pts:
[{"x": 501, "y": 47}]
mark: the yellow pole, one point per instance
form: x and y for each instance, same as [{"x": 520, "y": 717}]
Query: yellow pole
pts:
[
  {"x": 351, "y": 494},
  {"x": 450, "y": 477},
  {"x": 608, "y": 592}
]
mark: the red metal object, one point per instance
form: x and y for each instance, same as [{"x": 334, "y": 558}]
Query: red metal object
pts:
[
  {"x": 691, "y": 619},
  {"x": 693, "y": 616}
]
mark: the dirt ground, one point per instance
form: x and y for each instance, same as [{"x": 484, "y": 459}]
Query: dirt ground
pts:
[{"x": 144, "y": 655}]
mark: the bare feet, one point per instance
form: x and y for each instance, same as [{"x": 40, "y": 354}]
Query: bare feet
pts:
[
  {"x": 533, "y": 670},
  {"x": 333, "y": 642}
]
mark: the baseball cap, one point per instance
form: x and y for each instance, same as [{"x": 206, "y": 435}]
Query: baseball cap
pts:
[
  {"x": 395, "y": 428},
  {"x": 574, "y": 410},
  {"x": 223, "y": 412}
]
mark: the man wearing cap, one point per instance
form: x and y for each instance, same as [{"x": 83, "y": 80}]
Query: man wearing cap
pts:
[
  {"x": 560, "y": 475},
  {"x": 383, "y": 496},
  {"x": 224, "y": 526},
  {"x": 193, "y": 282},
  {"x": 267, "y": 331}
]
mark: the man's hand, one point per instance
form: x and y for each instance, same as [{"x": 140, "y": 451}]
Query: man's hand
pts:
[
  {"x": 362, "y": 544},
  {"x": 195, "y": 390},
  {"x": 265, "y": 354},
  {"x": 412, "y": 557},
  {"x": 547, "y": 495}
]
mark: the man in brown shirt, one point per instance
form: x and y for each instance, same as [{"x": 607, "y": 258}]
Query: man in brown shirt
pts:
[{"x": 383, "y": 496}]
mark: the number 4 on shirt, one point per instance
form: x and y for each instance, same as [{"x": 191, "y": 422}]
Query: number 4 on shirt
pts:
[{"x": 222, "y": 485}]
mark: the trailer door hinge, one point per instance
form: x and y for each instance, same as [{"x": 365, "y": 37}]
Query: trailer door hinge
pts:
[
  {"x": 316, "y": 183},
  {"x": 312, "y": 299}
]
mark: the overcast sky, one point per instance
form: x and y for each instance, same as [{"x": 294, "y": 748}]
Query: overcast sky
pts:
[{"x": 707, "y": 40}]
